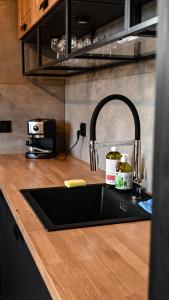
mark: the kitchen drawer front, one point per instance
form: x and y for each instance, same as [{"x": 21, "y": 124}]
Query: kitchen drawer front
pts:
[{"x": 19, "y": 276}]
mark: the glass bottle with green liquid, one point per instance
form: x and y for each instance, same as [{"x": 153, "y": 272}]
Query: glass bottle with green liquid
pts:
[{"x": 124, "y": 175}]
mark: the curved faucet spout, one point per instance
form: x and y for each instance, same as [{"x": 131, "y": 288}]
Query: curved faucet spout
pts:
[
  {"x": 106, "y": 100},
  {"x": 93, "y": 158}
]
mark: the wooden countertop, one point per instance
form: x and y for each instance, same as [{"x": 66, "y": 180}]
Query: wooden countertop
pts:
[{"x": 100, "y": 263}]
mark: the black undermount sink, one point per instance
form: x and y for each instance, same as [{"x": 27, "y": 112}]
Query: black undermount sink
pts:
[{"x": 95, "y": 204}]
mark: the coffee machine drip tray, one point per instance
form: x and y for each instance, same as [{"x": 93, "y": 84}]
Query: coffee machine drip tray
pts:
[
  {"x": 38, "y": 155},
  {"x": 35, "y": 152}
]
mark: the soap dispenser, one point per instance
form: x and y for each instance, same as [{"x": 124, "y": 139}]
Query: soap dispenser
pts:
[
  {"x": 112, "y": 159},
  {"x": 124, "y": 175}
]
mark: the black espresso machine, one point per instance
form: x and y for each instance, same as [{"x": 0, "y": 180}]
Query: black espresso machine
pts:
[{"x": 42, "y": 143}]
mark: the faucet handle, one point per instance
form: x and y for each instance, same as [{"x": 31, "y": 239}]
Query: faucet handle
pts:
[
  {"x": 138, "y": 186},
  {"x": 136, "y": 192}
]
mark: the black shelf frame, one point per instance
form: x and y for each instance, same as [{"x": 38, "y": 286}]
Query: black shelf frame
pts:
[{"x": 115, "y": 60}]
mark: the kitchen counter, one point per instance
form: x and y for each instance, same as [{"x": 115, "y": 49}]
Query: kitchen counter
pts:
[{"x": 107, "y": 262}]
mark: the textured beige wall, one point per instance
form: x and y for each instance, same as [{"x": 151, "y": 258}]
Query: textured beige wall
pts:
[
  {"x": 22, "y": 98},
  {"x": 136, "y": 81}
]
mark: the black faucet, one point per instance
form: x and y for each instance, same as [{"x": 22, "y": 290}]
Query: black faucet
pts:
[{"x": 93, "y": 149}]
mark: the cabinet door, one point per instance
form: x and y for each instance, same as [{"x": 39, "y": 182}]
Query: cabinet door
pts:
[
  {"x": 19, "y": 275},
  {"x": 25, "y": 17},
  {"x": 25, "y": 25},
  {"x": 30, "y": 12},
  {"x": 24, "y": 8},
  {"x": 41, "y": 7}
]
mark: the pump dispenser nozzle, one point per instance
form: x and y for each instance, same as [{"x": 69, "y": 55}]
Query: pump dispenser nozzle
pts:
[
  {"x": 124, "y": 157},
  {"x": 113, "y": 149}
]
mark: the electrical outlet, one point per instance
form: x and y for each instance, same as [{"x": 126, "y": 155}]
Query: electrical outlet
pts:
[
  {"x": 83, "y": 129},
  {"x": 5, "y": 126}
]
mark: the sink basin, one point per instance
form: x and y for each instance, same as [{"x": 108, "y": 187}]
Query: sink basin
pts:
[{"x": 95, "y": 204}]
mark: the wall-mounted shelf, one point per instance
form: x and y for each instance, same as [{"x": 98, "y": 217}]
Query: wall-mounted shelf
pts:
[{"x": 93, "y": 34}]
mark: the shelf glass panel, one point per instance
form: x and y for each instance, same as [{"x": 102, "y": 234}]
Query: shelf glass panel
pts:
[
  {"x": 124, "y": 50},
  {"x": 142, "y": 10},
  {"x": 88, "y": 34},
  {"x": 87, "y": 28},
  {"x": 128, "y": 46}
]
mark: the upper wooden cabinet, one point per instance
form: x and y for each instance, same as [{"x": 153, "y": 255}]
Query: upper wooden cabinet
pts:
[{"x": 30, "y": 12}]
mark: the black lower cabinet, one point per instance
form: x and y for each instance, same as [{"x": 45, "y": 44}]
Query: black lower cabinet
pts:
[{"x": 19, "y": 276}]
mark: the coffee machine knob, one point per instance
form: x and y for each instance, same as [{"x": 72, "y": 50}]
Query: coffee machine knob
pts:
[{"x": 35, "y": 128}]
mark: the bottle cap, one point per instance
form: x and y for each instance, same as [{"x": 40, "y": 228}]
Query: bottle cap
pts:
[
  {"x": 113, "y": 149},
  {"x": 124, "y": 157}
]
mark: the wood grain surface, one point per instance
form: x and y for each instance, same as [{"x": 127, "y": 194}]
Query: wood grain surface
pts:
[{"x": 107, "y": 262}]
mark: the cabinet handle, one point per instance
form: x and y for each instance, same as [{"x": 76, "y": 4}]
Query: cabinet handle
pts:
[
  {"x": 23, "y": 27},
  {"x": 17, "y": 234},
  {"x": 43, "y": 5}
]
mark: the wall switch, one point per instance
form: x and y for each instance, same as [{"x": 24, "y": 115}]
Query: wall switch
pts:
[
  {"x": 5, "y": 126},
  {"x": 83, "y": 129}
]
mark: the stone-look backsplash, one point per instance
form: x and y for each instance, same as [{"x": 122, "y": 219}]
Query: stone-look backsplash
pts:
[
  {"x": 23, "y": 98},
  {"x": 115, "y": 122}
]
